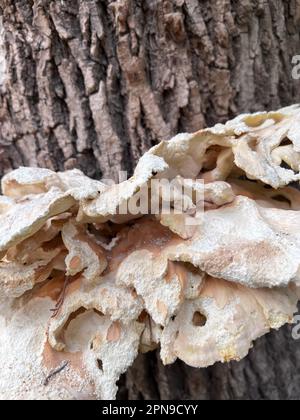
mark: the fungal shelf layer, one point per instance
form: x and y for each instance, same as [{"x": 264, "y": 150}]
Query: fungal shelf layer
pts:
[{"x": 84, "y": 289}]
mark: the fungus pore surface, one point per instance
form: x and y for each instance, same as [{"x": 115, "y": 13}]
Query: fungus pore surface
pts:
[{"x": 92, "y": 273}]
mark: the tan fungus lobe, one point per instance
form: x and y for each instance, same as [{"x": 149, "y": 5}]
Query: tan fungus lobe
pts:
[
  {"x": 84, "y": 288},
  {"x": 83, "y": 254},
  {"x": 232, "y": 318}
]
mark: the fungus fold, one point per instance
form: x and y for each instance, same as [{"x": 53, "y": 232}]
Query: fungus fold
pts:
[{"x": 85, "y": 286}]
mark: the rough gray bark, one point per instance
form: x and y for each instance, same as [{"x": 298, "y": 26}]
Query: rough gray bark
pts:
[{"x": 94, "y": 83}]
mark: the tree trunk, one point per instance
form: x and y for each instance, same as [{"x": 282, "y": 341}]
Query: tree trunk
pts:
[{"x": 93, "y": 84}]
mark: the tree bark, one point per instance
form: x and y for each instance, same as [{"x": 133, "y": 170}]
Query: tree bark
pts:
[{"x": 93, "y": 84}]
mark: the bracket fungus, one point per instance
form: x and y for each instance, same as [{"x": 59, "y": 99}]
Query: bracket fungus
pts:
[{"x": 85, "y": 287}]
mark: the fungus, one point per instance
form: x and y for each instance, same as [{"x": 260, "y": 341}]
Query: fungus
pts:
[
  {"x": 85, "y": 287},
  {"x": 83, "y": 253}
]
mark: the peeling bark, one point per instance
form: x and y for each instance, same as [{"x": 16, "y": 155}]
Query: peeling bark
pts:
[{"x": 93, "y": 84}]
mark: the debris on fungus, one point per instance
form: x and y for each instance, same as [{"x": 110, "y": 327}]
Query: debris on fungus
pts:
[{"x": 84, "y": 287}]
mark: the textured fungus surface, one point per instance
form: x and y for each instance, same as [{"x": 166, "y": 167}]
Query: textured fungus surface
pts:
[{"x": 84, "y": 289}]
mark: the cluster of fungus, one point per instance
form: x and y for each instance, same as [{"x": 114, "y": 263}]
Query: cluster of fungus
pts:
[{"x": 83, "y": 289}]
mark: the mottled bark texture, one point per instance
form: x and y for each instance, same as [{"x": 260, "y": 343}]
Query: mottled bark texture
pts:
[{"x": 94, "y": 83}]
